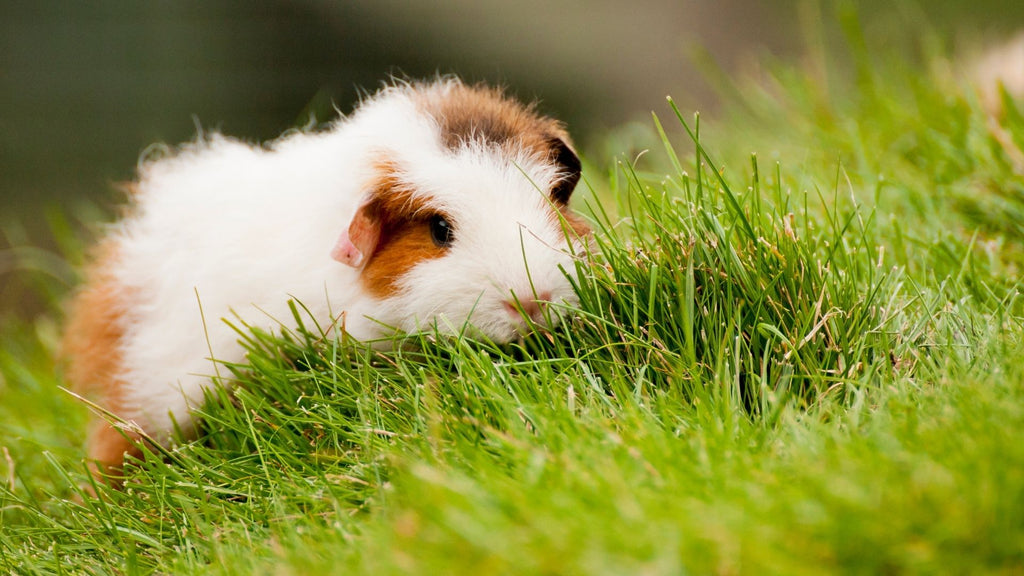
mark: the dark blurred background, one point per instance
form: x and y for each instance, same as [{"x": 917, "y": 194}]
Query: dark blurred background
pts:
[{"x": 86, "y": 85}]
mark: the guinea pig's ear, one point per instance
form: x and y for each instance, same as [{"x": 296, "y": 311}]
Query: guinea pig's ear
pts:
[
  {"x": 569, "y": 166},
  {"x": 359, "y": 241}
]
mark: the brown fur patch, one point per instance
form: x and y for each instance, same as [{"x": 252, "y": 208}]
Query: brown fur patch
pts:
[
  {"x": 92, "y": 335},
  {"x": 577, "y": 225},
  {"x": 402, "y": 247},
  {"x": 108, "y": 448},
  {"x": 91, "y": 348},
  {"x": 485, "y": 114},
  {"x": 404, "y": 222}
]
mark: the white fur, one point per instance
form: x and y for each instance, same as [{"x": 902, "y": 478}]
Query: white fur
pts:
[{"x": 240, "y": 229}]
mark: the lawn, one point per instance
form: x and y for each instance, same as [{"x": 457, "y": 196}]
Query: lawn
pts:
[{"x": 797, "y": 351}]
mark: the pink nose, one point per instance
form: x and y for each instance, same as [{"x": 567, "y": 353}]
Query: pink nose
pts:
[{"x": 527, "y": 305}]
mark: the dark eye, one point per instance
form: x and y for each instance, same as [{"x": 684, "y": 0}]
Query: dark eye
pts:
[{"x": 441, "y": 231}]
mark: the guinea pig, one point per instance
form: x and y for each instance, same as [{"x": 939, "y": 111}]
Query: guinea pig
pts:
[{"x": 433, "y": 206}]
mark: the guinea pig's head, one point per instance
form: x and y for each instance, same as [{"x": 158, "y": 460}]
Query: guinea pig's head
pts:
[{"x": 465, "y": 221}]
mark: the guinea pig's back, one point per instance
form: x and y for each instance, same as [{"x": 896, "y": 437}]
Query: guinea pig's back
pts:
[{"x": 220, "y": 229}]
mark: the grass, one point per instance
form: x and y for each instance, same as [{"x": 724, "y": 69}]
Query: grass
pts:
[{"x": 774, "y": 368}]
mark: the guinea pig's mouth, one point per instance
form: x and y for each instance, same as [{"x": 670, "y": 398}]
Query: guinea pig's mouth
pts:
[
  {"x": 501, "y": 321},
  {"x": 523, "y": 328},
  {"x": 519, "y": 325}
]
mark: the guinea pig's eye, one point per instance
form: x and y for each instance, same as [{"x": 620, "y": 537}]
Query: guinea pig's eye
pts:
[{"x": 441, "y": 231}]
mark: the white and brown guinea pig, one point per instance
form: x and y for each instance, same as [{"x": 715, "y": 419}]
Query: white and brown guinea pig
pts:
[{"x": 432, "y": 206}]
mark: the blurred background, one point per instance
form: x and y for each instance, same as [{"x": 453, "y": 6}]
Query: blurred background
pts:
[{"x": 86, "y": 86}]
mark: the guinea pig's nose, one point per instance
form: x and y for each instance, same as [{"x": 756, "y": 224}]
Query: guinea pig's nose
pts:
[{"x": 527, "y": 304}]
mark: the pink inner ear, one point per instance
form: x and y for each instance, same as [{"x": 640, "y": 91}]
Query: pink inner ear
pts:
[{"x": 358, "y": 241}]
